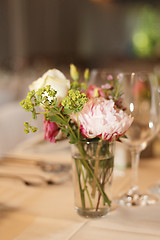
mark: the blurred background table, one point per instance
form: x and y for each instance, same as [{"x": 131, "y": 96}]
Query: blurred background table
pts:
[{"x": 47, "y": 212}]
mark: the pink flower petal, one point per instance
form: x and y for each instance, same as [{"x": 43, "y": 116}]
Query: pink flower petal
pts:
[
  {"x": 101, "y": 118},
  {"x": 51, "y": 131}
]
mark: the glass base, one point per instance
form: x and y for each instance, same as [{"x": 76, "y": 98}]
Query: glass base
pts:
[
  {"x": 135, "y": 198},
  {"x": 92, "y": 213}
]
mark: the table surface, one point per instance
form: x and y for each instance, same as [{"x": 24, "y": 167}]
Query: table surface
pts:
[{"x": 47, "y": 212}]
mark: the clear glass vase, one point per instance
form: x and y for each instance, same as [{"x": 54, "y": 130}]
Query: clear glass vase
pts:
[{"x": 92, "y": 177}]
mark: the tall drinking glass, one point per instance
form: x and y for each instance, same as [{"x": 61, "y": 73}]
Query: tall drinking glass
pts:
[{"x": 141, "y": 100}]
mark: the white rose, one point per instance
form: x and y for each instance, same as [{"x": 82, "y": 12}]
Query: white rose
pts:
[{"x": 56, "y": 80}]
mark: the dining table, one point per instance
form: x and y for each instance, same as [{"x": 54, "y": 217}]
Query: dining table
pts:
[{"x": 46, "y": 211}]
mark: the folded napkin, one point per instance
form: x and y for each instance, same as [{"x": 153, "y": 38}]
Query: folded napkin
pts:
[
  {"x": 38, "y": 149},
  {"x": 34, "y": 175}
]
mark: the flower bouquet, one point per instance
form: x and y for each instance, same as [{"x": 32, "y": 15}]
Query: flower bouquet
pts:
[{"x": 93, "y": 118}]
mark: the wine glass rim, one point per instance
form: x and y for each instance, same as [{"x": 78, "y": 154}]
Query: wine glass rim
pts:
[
  {"x": 137, "y": 73},
  {"x": 119, "y": 72}
]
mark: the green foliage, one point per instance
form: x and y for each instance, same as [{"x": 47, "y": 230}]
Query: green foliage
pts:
[
  {"x": 75, "y": 101},
  {"x": 76, "y": 84},
  {"x": 45, "y": 97},
  {"x": 29, "y": 128},
  {"x": 115, "y": 91},
  {"x": 60, "y": 114}
]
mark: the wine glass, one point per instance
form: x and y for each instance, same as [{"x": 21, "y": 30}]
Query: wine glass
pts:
[
  {"x": 141, "y": 99},
  {"x": 155, "y": 189}
]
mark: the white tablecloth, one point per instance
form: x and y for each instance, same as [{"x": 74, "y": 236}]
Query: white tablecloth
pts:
[{"x": 47, "y": 212}]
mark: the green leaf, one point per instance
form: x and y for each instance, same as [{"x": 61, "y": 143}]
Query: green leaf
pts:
[
  {"x": 57, "y": 119},
  {"x": 73, "y": 140},
  {"x": 67, "y": 111},
  {"x": 34, "y": 116},
  {"x": 55, "y": 110}
]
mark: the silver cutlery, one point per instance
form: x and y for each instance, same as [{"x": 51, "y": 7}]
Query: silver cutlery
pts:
[
  {"x": 43, "y": 165},
  {"x": 35, "y": 180}
]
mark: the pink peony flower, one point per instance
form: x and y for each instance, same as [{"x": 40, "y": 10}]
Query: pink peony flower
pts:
[
  {"x": 51, "y": 131},
  {"x": 94, "y": 91},
  {"x": 101, "y": 118}
]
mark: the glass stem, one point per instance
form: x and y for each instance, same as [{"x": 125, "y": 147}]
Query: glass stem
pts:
[{"x": 135, "y": 156}]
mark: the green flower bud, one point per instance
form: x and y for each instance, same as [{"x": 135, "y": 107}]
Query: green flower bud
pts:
[
  {"x": 34, "y": 129},
  {"x": 84, "y": 86},
  {"x": 26, "y": 124},
  {"x": 74, "y": 73},
  {"x": 26, "y": 130},
  {"x": 86, "y": 74}
]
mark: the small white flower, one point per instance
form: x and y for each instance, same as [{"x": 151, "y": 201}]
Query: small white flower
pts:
[{"x": 56, "y": 80}]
